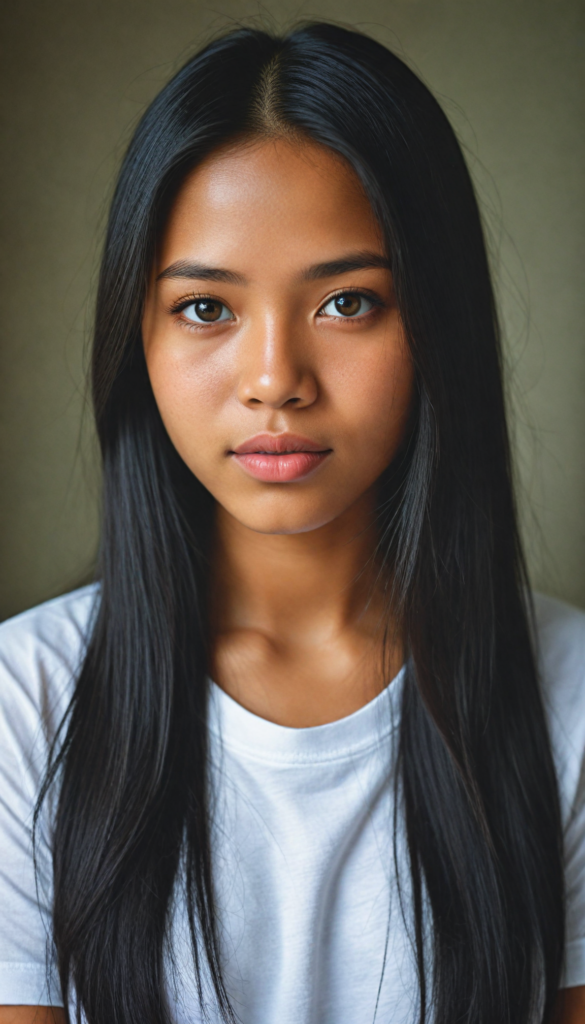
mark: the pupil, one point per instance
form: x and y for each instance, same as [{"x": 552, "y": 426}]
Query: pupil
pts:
[
  {"x": 347, "y": 305},
  {"x": 208, "y": 310}
]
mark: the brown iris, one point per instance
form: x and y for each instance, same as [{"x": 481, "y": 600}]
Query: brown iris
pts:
[
  {"x": 348, "y": 305},
  {"x": 208, "y": 310}
]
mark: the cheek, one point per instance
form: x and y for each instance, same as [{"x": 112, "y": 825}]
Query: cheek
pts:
[
  {"x": 374, "y": 395},
  {"x": 190, "y": 387}
]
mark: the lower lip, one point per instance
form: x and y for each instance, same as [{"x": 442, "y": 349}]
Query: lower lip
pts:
[{"x": 279, "y": 468}]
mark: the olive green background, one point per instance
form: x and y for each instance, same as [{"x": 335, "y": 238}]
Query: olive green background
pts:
[{"x": 76, "y": 75}]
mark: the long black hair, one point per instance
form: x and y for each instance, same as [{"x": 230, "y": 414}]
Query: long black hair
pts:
[{"x": 476, "y": 787}]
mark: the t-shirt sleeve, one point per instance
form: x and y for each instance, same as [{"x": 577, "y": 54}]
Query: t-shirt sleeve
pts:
[
  {"x": 562, "y": 652},
  {"x": 26, "y": 973},
  {"x": 574, "y": 973},
  {"x": 38, "y": 655}
]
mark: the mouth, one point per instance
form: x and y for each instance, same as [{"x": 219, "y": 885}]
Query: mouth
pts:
[{"x": 279, "y": 458}]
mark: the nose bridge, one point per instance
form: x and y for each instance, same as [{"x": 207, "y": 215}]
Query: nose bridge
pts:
[{"x": 274, "y": 364}]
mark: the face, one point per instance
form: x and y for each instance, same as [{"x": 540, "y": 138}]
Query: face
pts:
[{"x": 272, "y": 338}]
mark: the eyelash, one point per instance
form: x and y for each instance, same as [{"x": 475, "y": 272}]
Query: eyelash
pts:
[
  {"x": 377, "y": 304},
  {"x": 188, "y": 300}
]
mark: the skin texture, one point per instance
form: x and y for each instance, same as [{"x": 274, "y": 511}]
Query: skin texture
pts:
[
  {"x": 297, "y": 637},
  {"x": 571, "y": 1010},
  {"x": 32, "y": 1015}
]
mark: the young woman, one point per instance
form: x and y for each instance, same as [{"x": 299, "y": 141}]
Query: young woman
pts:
[{"x": 306, "y": 753}]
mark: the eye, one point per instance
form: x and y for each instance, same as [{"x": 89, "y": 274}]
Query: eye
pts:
[
  {"x": 206, "y": 311},
  {"x": 350, "y": 304}
]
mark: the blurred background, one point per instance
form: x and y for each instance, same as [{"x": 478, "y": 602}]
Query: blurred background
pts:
[{"x": 75, "y": 76}]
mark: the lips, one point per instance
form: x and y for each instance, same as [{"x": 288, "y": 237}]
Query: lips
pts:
[{"x": 279, "y": 458}]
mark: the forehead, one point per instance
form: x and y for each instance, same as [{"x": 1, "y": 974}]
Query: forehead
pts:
[{"x": 283, "y": 197}]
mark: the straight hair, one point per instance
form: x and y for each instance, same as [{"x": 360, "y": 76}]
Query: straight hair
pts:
[{"x": 476, "y": 789}]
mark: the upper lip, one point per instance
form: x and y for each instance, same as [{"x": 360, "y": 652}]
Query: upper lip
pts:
[{"x": 278, "y": 444}]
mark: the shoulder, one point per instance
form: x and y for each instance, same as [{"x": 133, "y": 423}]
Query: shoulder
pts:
[
  {"x": 41, "y": 652},
  {"x": 40, "y": 655},
  {"x": 560, "y": 645}
]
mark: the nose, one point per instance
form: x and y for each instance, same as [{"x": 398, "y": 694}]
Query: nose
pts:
[{"x": 276, "y": 369}]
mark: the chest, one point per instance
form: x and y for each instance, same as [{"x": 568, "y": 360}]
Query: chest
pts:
[{"x": 311, "y": 925}]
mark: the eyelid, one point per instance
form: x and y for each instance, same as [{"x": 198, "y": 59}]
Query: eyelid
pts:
[
  {"x": 187, "y": 300},
  {"x": 180, "y": 304},
  {"x": 367, "y": 294}
]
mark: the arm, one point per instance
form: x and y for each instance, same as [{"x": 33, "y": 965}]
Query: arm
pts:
[
  {"x": 32, "y": 1015},
  {"x": 570, "y": 1006}
]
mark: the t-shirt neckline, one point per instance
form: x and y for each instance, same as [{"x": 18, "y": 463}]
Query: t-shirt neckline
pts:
[{"x": 250, "y": 736}]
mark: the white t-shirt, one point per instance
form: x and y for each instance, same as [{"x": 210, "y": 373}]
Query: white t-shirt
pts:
[{"x": 301, "y": 842}]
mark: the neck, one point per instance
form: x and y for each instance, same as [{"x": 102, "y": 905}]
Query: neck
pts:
[
  {"x": 297, "y": 618},
  {"x": 291, "y": 584}
]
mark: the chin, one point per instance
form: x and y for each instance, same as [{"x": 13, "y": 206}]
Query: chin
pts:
[{"x": 285, "y": 522}]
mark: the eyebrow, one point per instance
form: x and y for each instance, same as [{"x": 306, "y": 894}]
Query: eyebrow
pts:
[
  {"x": 330, "y": 268},
  {"x": 345, "y": 264},
  {"x": 201, "y": 272}
]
